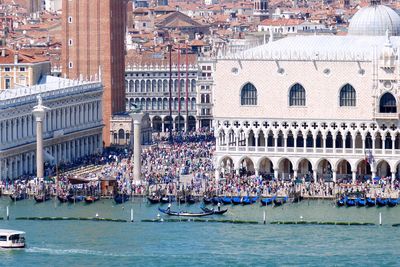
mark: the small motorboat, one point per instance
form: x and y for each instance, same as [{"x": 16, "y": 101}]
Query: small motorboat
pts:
[
  {"x": 62, "y": 198},
  {"x": 280, "y": 201},
  {"x": 18, "y": 196},
  {"x": 361, "y": 202},
  {"x": 207, "y": 200},
  {"x": 380, "y": 202},
  {"x": 370, "y": 202},
  {"x": 154, "y": 199},
  {"x": 236, "y": 200},
  {"x": 214, "y": 211},
  {"x": 121, "y": 198},
  {"x": 184, "y": 213},
  {"x": 75, "y": 199},
  {"x": 10, "y": 239},
  {"x": 226, "y": 200},
  {"x": 350, "y": 202},
  {"x": 267, "y": 201},
  {"x": 41, "y": 197},
  {"x": 392, "y": 202},
  {"x": 216, "y": 200},
  {"x": 91, "y": 199},
  {"x": 167, "y": 199}
]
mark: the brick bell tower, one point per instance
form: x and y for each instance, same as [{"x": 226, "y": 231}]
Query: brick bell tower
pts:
[{"x": 93, "y": 39}]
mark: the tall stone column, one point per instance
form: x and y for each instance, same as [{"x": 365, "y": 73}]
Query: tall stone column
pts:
[
  {"x": 39, "y": 112},
  {"x": 137, "y": 144}
]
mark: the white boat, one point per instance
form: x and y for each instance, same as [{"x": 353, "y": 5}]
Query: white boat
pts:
[{"x": 12, "y": 239}]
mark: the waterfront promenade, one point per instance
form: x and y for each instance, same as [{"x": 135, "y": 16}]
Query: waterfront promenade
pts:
[{"x": 185, "y": 168}]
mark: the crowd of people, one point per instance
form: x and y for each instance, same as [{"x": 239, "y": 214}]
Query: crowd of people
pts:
[{"x": 183, "y": 165}]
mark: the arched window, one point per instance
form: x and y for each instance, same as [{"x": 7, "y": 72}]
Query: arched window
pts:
[
  {"x": 387, "y": 104},
  {"x": 248, "y": 95},
  {"x": 347, "y": 96},
  {"x": 297, "y": 95}
]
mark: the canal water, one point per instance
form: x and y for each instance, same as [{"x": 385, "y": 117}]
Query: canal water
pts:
[{"x": 90, "y": 243}]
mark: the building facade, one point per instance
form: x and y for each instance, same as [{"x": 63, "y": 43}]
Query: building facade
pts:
[
  {"x": 93, "y": 38},
  {"x": 323, "y": 106},
  {"x": 205, "y": 85},
  {"x": 20, "y": 69},
  {"x": 147, "y": 85},
  {"x": 72, "y": 127}
]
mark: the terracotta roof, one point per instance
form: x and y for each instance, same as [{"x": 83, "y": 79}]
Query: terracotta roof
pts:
[
  {"x": 160, "y": 58},
  {"x": 23, "y": 57},
  {"x": 281, "y": 22}
]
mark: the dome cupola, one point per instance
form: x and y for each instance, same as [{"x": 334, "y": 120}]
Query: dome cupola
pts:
[{"x": 375, "y": 20}]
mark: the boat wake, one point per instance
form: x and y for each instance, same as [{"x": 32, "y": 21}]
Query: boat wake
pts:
[{"x": 52, "y": 251}]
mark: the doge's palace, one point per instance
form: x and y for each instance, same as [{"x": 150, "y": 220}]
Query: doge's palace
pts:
[{"x": 323, "y": 106}]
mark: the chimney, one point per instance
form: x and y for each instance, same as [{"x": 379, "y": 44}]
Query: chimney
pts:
[
  {"x": 16, "y": 58},
  {"x": 3, "y": 52}
]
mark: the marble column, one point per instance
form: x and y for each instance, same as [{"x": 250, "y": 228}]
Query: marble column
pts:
[
  {"x": 39, "y": 112},
  {"x": 137, "y": 144}
]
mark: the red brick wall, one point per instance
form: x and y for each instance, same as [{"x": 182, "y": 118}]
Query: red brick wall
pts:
[{"x": 98, "y": 33}]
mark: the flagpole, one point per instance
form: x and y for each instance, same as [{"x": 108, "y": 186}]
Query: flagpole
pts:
[{"x": 179, "y": 88}]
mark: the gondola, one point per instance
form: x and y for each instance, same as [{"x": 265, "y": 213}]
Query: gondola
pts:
[
  {"x": 41, "y": 197},
  {"x": 247, "y": 201},
  {"x": 184, "y": 213},
  {"x": 154, "y": 199},
  {"x": 380, "y": 202},
  {"x": 216, "y": 200},
  {"x": 254, "y": 199},
  {"x": 361, "y": 202},
  {"x": 182, "y": 200},
  {"x": 167, "y": 199},
  {"x": 18, "y": 197},
  {"x": 392, "y": 202},
  {"x": 236, "y": 200},
  {"x": 267, "y": 201},
  {"x": 340, "y": 202},
  {"x": 226, "y": 200},
  {"x": 75, "y": 199},
  {"x": 121, "y": 198},
  {"x": 280, "y": 201},
  {"x": 191, "y": 199},
  {"x": 207, "y": 200},
  {"x": 370, "y": 202},
  {"x": 218, "y": 212},
  {"x": 350, "y": 202},
  {"x": 62, "y": 198},
  {"x": 91, "y": 199}
]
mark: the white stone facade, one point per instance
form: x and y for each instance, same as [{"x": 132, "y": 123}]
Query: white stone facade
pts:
[
  {"x": 72, "y": 127},
  {"x": 324, "y": 136},
  {"x": 148, "y": 87}
]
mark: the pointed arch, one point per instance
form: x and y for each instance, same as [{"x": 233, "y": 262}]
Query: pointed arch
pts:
[
  {"x": 297, "y": 95},
  {"x": 248, "y": 95},
  {"x": 347, "y": 96}
]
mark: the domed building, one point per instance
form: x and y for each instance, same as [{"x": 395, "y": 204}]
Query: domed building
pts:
[
  {"x": 321, "y": 106},
  {"x": 375, "y": 20}
]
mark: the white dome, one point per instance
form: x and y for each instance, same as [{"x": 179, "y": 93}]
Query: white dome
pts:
[{"x": 375, "y": 20}]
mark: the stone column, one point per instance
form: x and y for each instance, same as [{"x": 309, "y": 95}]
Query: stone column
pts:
[
  {"x": 393, "y": 176},
  {"x": 137, "y": 144},
  {"x": 295, "y": 174},
  {"x": 354, "y": 176},
  {"x": 334, "y": 176},
  {"x": 256, "y": 172},
  {"x": 315, "y": 175},
  {"x": 39, "y": 112},
  {"x": 276, "y": 173}
]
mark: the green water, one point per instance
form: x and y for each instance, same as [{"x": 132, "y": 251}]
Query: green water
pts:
[{"x": 88, "y": 243}]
